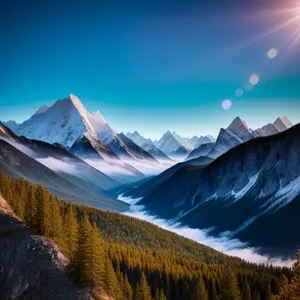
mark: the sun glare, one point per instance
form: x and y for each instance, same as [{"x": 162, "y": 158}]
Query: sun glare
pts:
[{"x": 286, "y": 18}]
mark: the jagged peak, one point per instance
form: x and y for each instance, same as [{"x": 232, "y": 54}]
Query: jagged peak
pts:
[
  {"x": 168, "y": 133},
  {"x": 98, "y": 117},
  {"x": 237, "y": 122},
  {"x": 284, "y": 120}
]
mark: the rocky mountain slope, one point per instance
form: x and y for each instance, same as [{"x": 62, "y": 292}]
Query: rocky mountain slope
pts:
[
  {"x": 32, "y": 267},
  {"x": 147, "y": 145},
  {"x": 171, "y": 146},
  {"x": 257, "y": 182},
  {"x": 19, "y": 165},
  {"x": 57, "y": 158},
  {"x": 236, "y": 133}
]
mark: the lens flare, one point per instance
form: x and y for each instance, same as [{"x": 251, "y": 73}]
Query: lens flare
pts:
[
  {"x": 272, "y": 53},
  {"x": 226, "y": 104},
  {"x": 254, "y": 79},
  {"x": 239, "y": 92},
  {"x": 287, "y": 18}
]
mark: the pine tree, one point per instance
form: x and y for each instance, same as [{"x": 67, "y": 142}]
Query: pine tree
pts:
[
  {"x": 111, "y": 281},
  {"x": 70, "y": 226},
  {"x": 159, "y": 295},
  {"x": 200, "y": 290},
  {"x": 31, "y": 207},
  {"x": 90, "y": 257},
  {"x": 214, "y": 293},
  {"x": 128, "y": 292},
  {"x": 246, "y": 291},
  {"x": 143, "y": 291},
  {"x": 43, "y": 211},
  {"x": 291, "y": 291},
  {"x": 230, "y": 288},
  {"x": 56, "y": 227}
]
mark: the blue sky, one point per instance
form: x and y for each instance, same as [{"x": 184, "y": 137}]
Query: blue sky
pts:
[{"x": 150, "y": 65}]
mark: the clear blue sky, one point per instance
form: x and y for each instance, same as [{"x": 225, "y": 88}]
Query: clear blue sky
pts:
[{"x": 150, "y": 65}]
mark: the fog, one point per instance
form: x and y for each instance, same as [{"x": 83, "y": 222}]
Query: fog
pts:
[{"x": 223, "y": 243}]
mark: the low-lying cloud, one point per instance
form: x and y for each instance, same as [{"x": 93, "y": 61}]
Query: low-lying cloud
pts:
[
  {"x": 225, "y": 244},
  {"x": 57, "y": 165}
]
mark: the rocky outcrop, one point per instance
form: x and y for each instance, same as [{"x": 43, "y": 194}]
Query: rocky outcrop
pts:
[{"x": 32, "y": 267}]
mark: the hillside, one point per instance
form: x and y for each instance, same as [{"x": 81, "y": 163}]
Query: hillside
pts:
[
  {"x": 18, "y": 165},
  {"x": 32, "y": 267},
  {"x": 133, "y": 256}
]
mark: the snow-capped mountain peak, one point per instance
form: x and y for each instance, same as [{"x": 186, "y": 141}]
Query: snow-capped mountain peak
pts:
[{"x": 98, "y": 117}]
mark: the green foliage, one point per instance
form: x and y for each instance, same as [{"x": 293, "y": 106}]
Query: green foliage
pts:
[
  {"x": 71, "y": 227},
  {"x": 43, "y": 211},
  {"x": 133, "y": 259}
]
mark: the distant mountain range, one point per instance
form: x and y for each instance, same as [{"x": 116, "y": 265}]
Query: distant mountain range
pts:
[
  {"x": 240, "y": 181},
  {"x": 235, "y": 134},
  {"x": 61, "y": 172},
  {"x": 251, "y": 192}
]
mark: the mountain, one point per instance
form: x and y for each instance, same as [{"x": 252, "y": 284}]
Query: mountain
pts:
[
  {"x": 147, "y": 145},
  {"x": 135, "y": 151},
  {"x": 88, "y": 146},
  {"x": 66, "y": 121},
  {"x": 57, "y": 159},
  {"x": 202, "y": 150},
  {"x": 240, "y": 129},
  {"x": 62, "y": 123},
  {"x": 193, "y": 141},
  {"x": 254, "y": 187},
  {"x": 98, "y": 155},
  {"x": 19, "y": 165},
  {"x": 282, "y": 124},
  {"x": 11, "y": 125},
  {"x": 225, "y": 141},
  {"x": 204, "y": 140},
  {"x": 171, "y": 146},
  {"x": 266, "y": 130},
  {"x": 184, "y": 141},
  {"x": 42, "y": 109}
]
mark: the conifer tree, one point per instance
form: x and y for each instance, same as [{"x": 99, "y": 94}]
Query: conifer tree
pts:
[
  {"x": 56, "y": 227},
  {"x": 291, "y": 291},
  {"x": 43, "y": 210},
  {"x": 90, "y": 254},
  {"x": 200, "y": 290},
  {"x": 143, "y": 291},
  {"x": 213, "y": 290},
  {"x": 31, "y": 207},
  {"x": 128, "y": 292},
  {"x": 230, "y": 288},
  {"x": 70, "y": 226},
  {"x": 111, "y": 281},
  {"x": 159, "y": 295},
  {"x": 246, "y": 291}
]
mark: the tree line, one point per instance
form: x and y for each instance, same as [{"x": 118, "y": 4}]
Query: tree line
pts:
[{"x": 135, "y": 260}]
